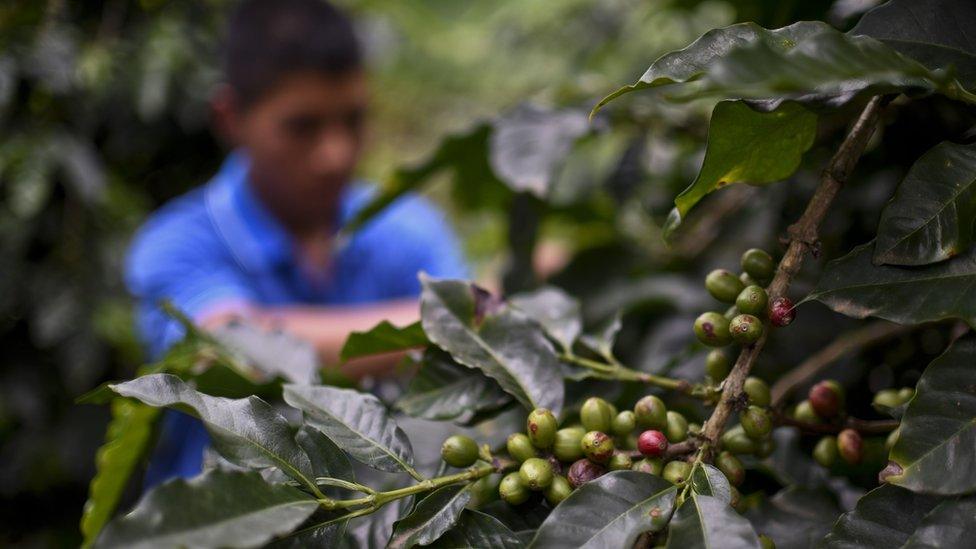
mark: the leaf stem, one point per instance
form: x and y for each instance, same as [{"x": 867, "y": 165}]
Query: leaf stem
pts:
[
  {"x": 616, "y": 370},
  {"x": 803, "y": 238}
]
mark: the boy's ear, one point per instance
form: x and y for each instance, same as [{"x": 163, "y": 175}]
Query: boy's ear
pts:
[{"x": 225, "y": 108}]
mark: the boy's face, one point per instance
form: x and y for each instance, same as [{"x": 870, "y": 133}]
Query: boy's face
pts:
[{"x": 304, "y": 139}]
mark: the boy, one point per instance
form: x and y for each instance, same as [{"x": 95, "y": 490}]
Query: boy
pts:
[{"x": 257, "y": 240}]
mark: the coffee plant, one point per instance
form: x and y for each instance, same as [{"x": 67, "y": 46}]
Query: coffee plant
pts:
[{"x": 863, "y": 434}]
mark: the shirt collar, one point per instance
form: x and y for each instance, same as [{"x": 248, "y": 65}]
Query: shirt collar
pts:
[{"x": 257, "y": 240}]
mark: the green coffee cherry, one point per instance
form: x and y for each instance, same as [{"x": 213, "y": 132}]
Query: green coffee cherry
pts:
[
  {"x": 752, "y": 301},
  {"x": 541, "y": 427},
  {"x": 558, "y": 490},
  {"x": 717, "y": 365},
  {"x": 758, "y": 391},
  {"x": 758, "y": 264},
  {"x": 677, "y": 429},
  {"x": 520, "y": 447},
  {"x": 886, "y": 398},
  {"x": 736, "y": 441},
  {"x": 694, "y": 428},
  {"x": 483, "y": 491},
  {"x": 723, "y": 285},
  {"x": 595, "y": 415},
  {"x": 825, "y": 452},
  {"x": 766, "y": 542},
  {"x": 512, "y": 490},
  {"x": 651, "y": 413},
  {"x": 620, "y": 462},
  {"x": 756, "y": 422},
  {"x": 712, "y": 329},
  {"x": 652, "y": 466},
  {"x": 745, "y": 329},
  {"x": 731, "y": 312},
  {"x": 804, "y": 412},
  {"x": 676, "y": 472},
  {"x": 731, "y": 467},
  {"x": 459, "y": 451},
  {"x": 905, "y": 394},
  {"x": 536, "y": 474},
  {"x": 765, "y": 447},
  {"x": 623, "y": 423},
  {"x": 567, "y": 444},
  {"x": 597, "y": 446},
  {"x": 748, "y": 280}
]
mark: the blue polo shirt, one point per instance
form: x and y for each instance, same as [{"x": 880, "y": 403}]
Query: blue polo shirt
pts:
[{"x": 218, "y": 247}]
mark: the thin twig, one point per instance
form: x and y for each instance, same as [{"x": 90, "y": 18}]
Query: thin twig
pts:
[
  {"x": 802, "y": 239},
  {"x": 847, "y": 343},
  {"x": 863, "y": 426}
]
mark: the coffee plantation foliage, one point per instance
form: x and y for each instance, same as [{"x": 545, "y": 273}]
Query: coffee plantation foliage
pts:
[{"x": 642, "y": 395}]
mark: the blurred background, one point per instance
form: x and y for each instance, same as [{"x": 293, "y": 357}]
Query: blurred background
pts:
[{"x": 104, "y": 116}]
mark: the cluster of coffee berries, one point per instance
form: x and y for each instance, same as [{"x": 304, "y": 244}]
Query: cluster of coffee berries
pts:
[
  {"x": 742, "y": 323},
  {"x": 825, "y": 403},
  {"x": 752, "y": 434}
]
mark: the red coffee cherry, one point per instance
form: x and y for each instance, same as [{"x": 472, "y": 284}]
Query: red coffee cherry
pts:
[
  {"x": 652, "y": 443},
  {"x": 781, "y": 312}
]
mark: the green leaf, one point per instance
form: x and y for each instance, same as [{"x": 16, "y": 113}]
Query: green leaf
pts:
[
  {"x": 274, "y": 354},
  {"x": 482, "y": 332},
  {"x": 475, "y": 529},
  {"x": 464, "y": 154},
  {"x": 530, "y": 143},
  {"x": 216, "y": 509},
  {"x": 884, "y": 518},
  {"x": 707, "y": 522},
  {"x": 434, "y": 515},
  {"x": 358, "y": 422},
  {"x": 709, "y": 481},
  {"x": 808, "y": 61},
  {"x": 556, "y": 311},
  {"x": 611, "y": 511},
  {"x": 444, "y": 390},
  {"x": 856, "y": 287},
  {"x": 247, "y": 432},
  {"x": 936, "y": 33},
  {"x": 931, "y": 216},
  {"x": 796, "y": 517},
  {"x": 950, "y": 524},
  {"x": 746, "y": 146},
  {"x": 935, "y": 448},
  {"x": 383, "y": 338},
  {"x": 328, "y": 460},
  {"x": 126, "y": 439}
]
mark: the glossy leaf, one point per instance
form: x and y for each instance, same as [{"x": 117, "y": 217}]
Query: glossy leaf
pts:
[
  {"x": 854, "y": 286},
  {"x": 475, "y": 529},
  {"x": 327, "y": 458},
  {"x": 433, "y": 515},
  {"x": 603, "y": 340},
  {"x": 557, "y": 312},
  {"x": 936, "y": 33},
  {"x": 611, "y": 511},
  {"x": 443, "y": 390},
  {"x": 482, "y": 332},
  {"x": 126, "y": 441},
  {"x": 709, "y": 481},
  {"x": 357, "y": 422},
  {"x": 746, "y": 146},
  {"x": 383, "y": 338},
  {"x": 216, "y": 509},
  {"x": 796, "y": 517},
  {"x": 936, "y": 448},
  {"x": 808, "y": 61},
  {"x": 247, "y": 432},
  {"x": 931, "y": 216},
  {"x": 950, "y": 524},
  {"x": 884, "y": 518},
  {"x": 529, "y": 144},
  {"x": 274, "y": 354},
  {"x": 708, "y": 522}
]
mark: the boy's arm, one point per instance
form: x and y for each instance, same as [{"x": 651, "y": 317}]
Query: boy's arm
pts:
[{"x": 327, "y": 327}]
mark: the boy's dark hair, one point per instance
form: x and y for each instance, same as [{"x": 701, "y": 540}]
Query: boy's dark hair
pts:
[{"x": 269, "y": 39}]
